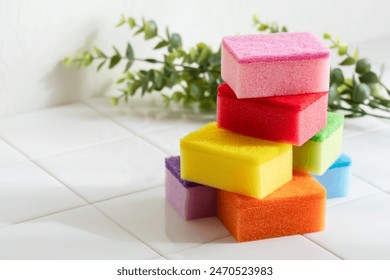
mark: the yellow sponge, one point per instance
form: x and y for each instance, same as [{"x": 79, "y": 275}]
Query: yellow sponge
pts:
[
  {"x": 321, "y": 151},
  {"x": 225, "y": 160}
]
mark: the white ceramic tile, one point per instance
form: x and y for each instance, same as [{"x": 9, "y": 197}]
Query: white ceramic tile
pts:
[
  {"x": 370, "y": 155},
  {"x": 139, "y": 116},
  {"x": 81, "y": 233},
  {"x": 147, "y": 215},
  {"x": 58, "y": 129},
  {"x": 169, "y": 139},
  {"x": 9, "y": 155},
  {"x": 356, "y": 126},
  {"x": 284, "y": 248},
  {"x": 110, "y": 169},
  {"x": 358, "y": 189},
  {"x": 26, "y": 192},
  {"x": 358, "y": 229}
]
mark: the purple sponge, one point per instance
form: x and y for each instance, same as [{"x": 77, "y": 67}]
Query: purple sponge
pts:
[{"x": 191, "y": 200}]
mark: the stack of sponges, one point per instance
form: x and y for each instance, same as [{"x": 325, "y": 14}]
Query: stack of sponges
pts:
[{"x": 271, "y": 119}]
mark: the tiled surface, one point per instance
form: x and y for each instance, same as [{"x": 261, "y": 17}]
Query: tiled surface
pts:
[
  {"x": 82, "y": 233},
  {"x": 26, "y": 192},
  {"x": 151, "y": 219},
  {"x": 370, "y": 153},
  {"x": 9, "y": 155},
  {"x": 291, "y": 247},
  {"x": 359, "y": 229},
  {"x": 110, "y": 169},
  {"x": 58, "y": 129},
  {"x": 85, "y": 181}
]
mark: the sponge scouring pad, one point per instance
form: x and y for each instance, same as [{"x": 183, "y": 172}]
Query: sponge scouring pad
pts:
[
  {"x": 336, "y": 179},
  {"x": 275, "y": 64},
  {"x": 298, "y": 207},
  {"x": 321, "y": 151},
  {"x": 225, "y": 160},
  {"x": 190, "y": 200},
  {"x": 292, "y": 119}
]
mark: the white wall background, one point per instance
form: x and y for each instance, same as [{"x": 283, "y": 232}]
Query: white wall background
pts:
[{"x": 35, "y": 35}]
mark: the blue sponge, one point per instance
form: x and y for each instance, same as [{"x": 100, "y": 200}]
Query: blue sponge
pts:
[{"x": 336, "y": 178}]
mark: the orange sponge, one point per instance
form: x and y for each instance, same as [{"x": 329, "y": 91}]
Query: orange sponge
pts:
[{"x": 297, "y": 207}]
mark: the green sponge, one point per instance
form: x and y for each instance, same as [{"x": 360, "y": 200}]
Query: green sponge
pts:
[{"x": 322, "y": 150}]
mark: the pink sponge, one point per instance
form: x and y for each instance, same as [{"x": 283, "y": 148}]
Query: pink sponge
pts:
[
  {"x": 275, "y": 64},
  {"x": 190, "y": 200},
  {"x": 292, "y": 119}
]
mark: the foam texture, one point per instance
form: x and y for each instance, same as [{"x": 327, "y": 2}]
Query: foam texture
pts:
[
  {"x": 298, "y": 207},
  {"x": 292, "y": 119},
  {"x": 275, "y": 64},
  {"x": 226, "y": 160},
  {"x": 322, "y": 150},
  {"x": 190, "y": 200},
  {"x": 336, "y": 179}
]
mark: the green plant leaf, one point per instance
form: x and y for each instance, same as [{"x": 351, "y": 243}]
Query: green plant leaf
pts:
[
  {"x": 121, "y": 80},
  {"x": 114, "y": 61},
  {"x": 343, "y": 49},
  {"x": 204, "y": 55},
  {"x": 101, "y": 64},
  {"x": 122, "y": 21},
  {"x": 151, "y": 60},
  {"x": 175, "y": 41},
  {"x": 337, "y": 76},
  {"x": 263, "y": 27},
  {"x": 274, "y": 27},
  {"x": 139, "y": 31},
  {"x": 161, "y": 44},
  {"x": 158, "y": 80},
  {"x": 356, "y": 54},
  {"x": 99, "y": 53},
  {"x": 88, "y": 58},
  {"x": 363, "y": 66},
  {"x": 128, "y": 65},
  {"x": 196, "y": 91},
  {"x": 360, "y": 93},
  {"x": 333, "y": 94},
  {"x": 369, "y": 77},
  {"x": 129, "y": 52},
  {"x": 131, "y": 22},
  {"x": 327, "y": 35},
  {"x": 150, "y": 30},
  {"x": 114, "y": 101},
  {"x": 177, "y": 96},
  {"x": 68, "y": 61},
  {"x": 347, "y": 61}
]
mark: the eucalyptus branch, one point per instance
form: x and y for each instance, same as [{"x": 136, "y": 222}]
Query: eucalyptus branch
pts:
[{"x": 192, "y": 76}]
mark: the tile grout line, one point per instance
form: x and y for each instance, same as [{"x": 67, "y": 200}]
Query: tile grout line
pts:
[
  {"x": 126, "y": 194},
  {"x": 47, "y": 172},
  {"x": 368, "y": 182},
  {"x": 129, "y": 232},
  {"x": 83, "y": 147},
  {"x": 129, "y": 130},
  {"x": 196, "y": 245},
  {"x": 355, "y": 199},
  {"x": 328, "y": 250},
  {"x": 44, "y": 216}
]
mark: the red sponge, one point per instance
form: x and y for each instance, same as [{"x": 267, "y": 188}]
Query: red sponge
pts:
[
  {"x": 292, "y": 119},
  {"x": 298, "y": 207}
]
